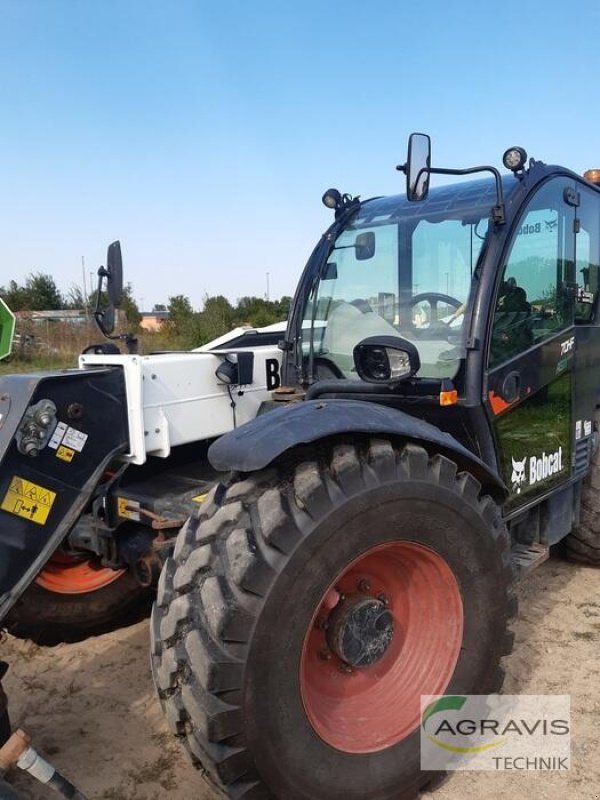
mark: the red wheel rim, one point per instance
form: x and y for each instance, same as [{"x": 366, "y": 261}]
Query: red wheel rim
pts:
[
  {"x": 368, "y": 709},
  {"x": 65, "y": 574}
]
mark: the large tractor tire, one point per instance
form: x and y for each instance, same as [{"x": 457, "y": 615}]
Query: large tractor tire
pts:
[
  {"x": 72, "y": 599},
  {"x": 583, "y": 544},
  {"x": 308, "y": 607}
]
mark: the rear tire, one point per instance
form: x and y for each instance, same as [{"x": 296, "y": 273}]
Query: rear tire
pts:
[
  {"x": 238, "y": 601},
  {"x": 48, "y": 617}
]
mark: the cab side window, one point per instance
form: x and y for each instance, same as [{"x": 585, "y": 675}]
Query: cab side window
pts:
[
  {"x": 587, "y": 267},
  {"x": 532, "y": 303}
]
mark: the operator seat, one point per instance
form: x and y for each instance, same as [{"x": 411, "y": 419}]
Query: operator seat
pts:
[{"x": 512, "y": 331}]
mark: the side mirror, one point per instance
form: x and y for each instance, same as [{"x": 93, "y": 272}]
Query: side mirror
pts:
[
  {"x": 365, "y": 246},
  {"x": 105, "y": 319},
  {"x": 112, "y": 274},
  {"x": 114, "y": 277},
  {"x": 417, "y": 166},
  {"x": 386, "y": 359}
]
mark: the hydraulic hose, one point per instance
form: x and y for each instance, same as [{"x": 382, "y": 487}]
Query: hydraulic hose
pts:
[{"x": 18, "y": 752}]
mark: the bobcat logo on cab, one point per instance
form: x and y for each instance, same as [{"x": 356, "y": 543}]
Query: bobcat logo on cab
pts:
[
  {"x": 540, "y": 468},
  {"x": 518, "y": 474}
]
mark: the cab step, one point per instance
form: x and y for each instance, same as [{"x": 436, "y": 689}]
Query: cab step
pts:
[{"x": 526, "y": 557}]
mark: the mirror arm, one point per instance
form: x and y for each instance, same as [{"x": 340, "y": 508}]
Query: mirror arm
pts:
[{"x": 498, "y": 215}]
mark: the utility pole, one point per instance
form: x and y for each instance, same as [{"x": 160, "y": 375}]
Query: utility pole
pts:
[
  {"x": 85, "y": 294},
  {"x": 268, "y": 292}
]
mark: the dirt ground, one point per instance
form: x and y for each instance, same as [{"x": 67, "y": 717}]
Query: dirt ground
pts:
[{"x": 92, "y": 710}]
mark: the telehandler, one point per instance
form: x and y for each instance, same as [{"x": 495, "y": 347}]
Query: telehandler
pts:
[
  {"x": 442, "y": 362},
  {"x": 434, "y": 434}
]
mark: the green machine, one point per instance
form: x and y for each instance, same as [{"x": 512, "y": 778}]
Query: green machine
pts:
[{"x": 7, "y": 329}]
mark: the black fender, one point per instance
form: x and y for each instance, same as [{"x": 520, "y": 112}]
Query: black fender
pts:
[{"x": 259, "y": 442}]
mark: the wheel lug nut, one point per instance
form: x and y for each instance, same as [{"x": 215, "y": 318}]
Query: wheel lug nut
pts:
[
  {"x": 325, "y": 654},
  {"x": 383, "y": 599},
  {"x": 363, "y": 585},
  {"x": 346, "y": 668},
  {"x": 321, "y": 624}
]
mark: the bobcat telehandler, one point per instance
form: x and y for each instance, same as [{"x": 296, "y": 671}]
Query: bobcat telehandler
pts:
[
  {"x": 443, "y": 351},
  {"x": 434, "y": 433}
]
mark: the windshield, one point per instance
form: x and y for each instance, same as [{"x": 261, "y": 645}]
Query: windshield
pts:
[{"x": 401, "y": 269}]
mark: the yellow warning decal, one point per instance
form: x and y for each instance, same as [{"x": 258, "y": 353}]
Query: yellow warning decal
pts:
[
  {"x": 128, "y": 509},
  {"x": 65, "y": 453},
  {"x": 28, "y": 500},
  {"x": 200, "y": 498},
  {"x": 122, "y": 509}
]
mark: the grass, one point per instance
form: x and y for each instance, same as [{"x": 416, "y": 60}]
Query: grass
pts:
[
  {"x": 59, "y": 346},
  {"x": 586, "y": 636},
  {"x": 41, "y": 364}
]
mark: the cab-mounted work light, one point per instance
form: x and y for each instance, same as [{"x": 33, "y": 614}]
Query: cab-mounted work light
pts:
[{"x": 514, "y": 159}]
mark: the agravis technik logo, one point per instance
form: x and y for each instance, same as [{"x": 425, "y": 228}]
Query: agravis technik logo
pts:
[{"x": 495, "y": 732}]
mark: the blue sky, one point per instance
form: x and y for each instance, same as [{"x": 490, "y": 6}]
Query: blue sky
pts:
[{"x": 202, "y": 134}]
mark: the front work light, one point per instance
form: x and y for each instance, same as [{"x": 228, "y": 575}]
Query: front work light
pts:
[
  {"x": 332, "y": 199},
  {"x": 514, "y": 159},
  {"x": 386, "y": 359},
  {"x": 227, "y": 371}
]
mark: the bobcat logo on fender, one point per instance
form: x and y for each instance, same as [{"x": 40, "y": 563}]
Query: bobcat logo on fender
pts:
[{"x": 538, "y": 469}]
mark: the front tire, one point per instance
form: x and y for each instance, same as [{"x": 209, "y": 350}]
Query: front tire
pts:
[{"x": 238, "y": 628}]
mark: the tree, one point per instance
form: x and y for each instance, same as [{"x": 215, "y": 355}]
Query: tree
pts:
[
  {"x": 74, "y": 298},
  {"x": 40, "y": 293},
  {"x": 258, "y": 312},
  {"x": 14, "y": 296},
  {"x": 216, "y": 318},
  {"x": 130, "y": 308},
  {"x": 180, "y": 313}
]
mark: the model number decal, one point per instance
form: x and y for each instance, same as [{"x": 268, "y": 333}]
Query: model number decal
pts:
[
  {"x": 567, "y": 346},
  {"x": 28, "y": 500}
]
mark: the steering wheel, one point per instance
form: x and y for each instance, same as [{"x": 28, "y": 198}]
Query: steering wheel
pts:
[{"x": 434, "y": 299}]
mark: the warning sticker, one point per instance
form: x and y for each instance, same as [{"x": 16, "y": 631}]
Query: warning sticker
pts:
[
  {"x": 75, "y": 439},
  {"x": 58, "y": 434},
  {"x": 65, "y": 453},
  {"x": 200, "y": 498},
  {"x": 128, "y": 509},
  {"x": 28, "y": 500},
  {"x": 69, "y": 437}
]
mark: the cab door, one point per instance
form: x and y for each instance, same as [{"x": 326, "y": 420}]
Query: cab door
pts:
[{"x": 532, "y": 345}]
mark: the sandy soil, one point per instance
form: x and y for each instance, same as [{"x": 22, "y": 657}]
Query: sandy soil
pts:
[{"x": 92, "y": 710}]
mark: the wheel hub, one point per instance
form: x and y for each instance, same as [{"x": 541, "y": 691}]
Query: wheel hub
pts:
[
  {"x": 386, "y": 631},
  {"x": 360, "y": 631}
]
